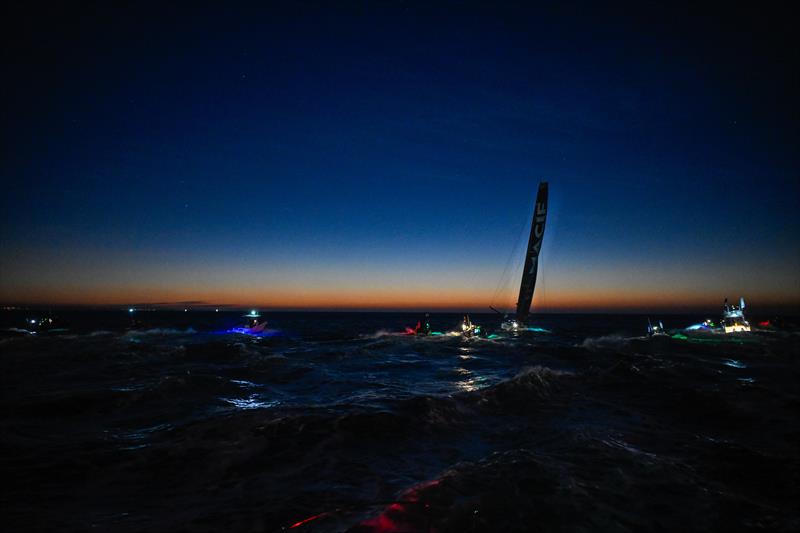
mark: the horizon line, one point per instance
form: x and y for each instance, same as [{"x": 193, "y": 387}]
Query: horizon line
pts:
[{"x": 197, "y": 306}]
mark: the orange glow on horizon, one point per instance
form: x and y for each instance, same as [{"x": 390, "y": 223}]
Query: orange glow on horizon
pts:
[{"x": 378, "y": 299}]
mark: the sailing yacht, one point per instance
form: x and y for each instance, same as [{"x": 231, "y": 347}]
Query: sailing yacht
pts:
[{"x": 528, "y": 283}]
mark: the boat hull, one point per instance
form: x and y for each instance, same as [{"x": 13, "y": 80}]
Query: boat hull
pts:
[{"x": 737, "y": 328}]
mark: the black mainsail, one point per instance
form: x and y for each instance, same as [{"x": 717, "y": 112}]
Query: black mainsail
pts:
[{"x": 532, "y": 255}]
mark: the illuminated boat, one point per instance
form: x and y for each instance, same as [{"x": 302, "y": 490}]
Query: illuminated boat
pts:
[
  {"x": 705, "y": 325},
  {"x": 733, "y": 320},
  {"x": 253, "y": 325},
  {"x": 531, "y": 267},
  {"x": 654, "y": 330},
  {"x": 422, "y": 328},
  {"x": 468, "y": 329},
  {"x": 42, "y": 325}
]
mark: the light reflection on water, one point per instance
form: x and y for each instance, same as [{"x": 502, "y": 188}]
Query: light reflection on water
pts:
[
  {"x": 138, "y": 436},
  {"x": 471, "y": 381},
  {"x": 245, "y": 384},
  {"x": 251, "y": 402},
  {"x": 733, "y": 363},
  {"x": 143, "y": 433}
]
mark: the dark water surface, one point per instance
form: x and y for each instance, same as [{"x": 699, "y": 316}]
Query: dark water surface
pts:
[{"x": 338, "y": 425}]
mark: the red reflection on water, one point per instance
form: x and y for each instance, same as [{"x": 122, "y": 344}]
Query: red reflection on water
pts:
[
  {"x": 408, "y": 515},
  {"x": 306, "y": 520}
]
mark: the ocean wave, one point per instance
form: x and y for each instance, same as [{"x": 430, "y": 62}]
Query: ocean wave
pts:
[
  {"x": 506, "y": 491},
  {"x": 253, "y": 401},
  {"x": 18, "y": 330},
  {"x": 382, "y": 333},
  {"x": 416, "y": 433},
  {"x": 605, "y": 342},
  {"x": 536, "y": 383},
  {"x": 158, "y": 332}
]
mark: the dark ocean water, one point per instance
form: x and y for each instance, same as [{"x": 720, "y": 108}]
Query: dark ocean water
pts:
[{"x": 171, "y": 424}]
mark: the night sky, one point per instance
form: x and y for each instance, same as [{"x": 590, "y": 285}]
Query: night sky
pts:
[{"x": 386, "y": 155}]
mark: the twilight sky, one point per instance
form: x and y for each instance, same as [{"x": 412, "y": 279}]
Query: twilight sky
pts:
[{"x": 386, "y": 155}]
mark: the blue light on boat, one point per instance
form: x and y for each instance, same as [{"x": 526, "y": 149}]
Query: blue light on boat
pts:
[{"x": 251, "y": 333}]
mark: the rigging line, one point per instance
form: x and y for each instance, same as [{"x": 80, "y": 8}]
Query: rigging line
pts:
[
  {"x": 502, "y": 281},
  {"x": 508, "y": 271}
]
